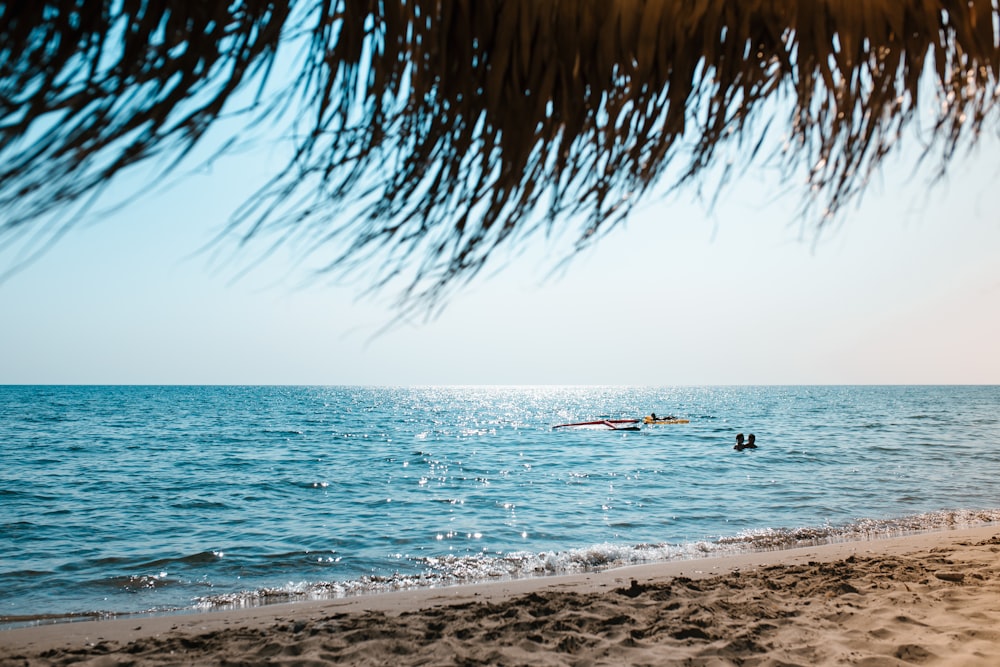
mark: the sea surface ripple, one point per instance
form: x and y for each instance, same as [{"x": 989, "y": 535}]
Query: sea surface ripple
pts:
[{"x": 126, "y": 499}]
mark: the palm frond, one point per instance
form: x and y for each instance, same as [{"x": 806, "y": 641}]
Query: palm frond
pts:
[{"x": 454, "y": 127}]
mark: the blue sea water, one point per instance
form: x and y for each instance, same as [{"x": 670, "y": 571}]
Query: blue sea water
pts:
[{"x": 127, "y": 499}]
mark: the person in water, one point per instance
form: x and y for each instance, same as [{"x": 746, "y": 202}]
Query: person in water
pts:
[
  {"x": 739, "y": 442},
  {"x": 750, "y": 442}
]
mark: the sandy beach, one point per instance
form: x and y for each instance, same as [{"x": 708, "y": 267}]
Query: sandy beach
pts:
[{"x": 930, "y": 599}]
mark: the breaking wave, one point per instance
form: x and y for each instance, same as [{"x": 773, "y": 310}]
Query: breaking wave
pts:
[{"x": 441, "y": 571}]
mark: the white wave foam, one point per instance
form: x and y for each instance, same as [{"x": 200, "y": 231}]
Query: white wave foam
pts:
[{"x": 449, "y": 570}]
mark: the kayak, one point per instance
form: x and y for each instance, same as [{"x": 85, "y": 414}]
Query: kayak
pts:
[
  {"x": 613, "y": 424},
  {"x": 674, "y": 420}
]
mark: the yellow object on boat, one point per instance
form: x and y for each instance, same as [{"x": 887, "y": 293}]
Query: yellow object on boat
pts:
[{"x": 649, "y": 420}]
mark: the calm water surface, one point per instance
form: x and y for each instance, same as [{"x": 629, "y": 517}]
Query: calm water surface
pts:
[{"x": 129, "y": 499}]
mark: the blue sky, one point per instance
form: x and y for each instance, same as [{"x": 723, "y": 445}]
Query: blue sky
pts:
[{"x": 905, "y": 289}]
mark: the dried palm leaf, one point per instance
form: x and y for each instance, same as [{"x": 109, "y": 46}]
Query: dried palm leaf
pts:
[{"x": 455, "y": 127}]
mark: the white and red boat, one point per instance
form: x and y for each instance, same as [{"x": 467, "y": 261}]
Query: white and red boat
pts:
[{"x": 612, "y": 424}]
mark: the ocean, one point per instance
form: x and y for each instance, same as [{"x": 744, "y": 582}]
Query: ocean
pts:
[{"x": 130, "y": 499}]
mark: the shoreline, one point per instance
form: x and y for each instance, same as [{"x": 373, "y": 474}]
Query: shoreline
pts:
[
  {"x": 578, "y": 561},
  {"x": 922, "y": 598}
]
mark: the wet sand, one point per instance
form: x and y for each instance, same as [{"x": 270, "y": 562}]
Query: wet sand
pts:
[{"x": 929, "y": 599}]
